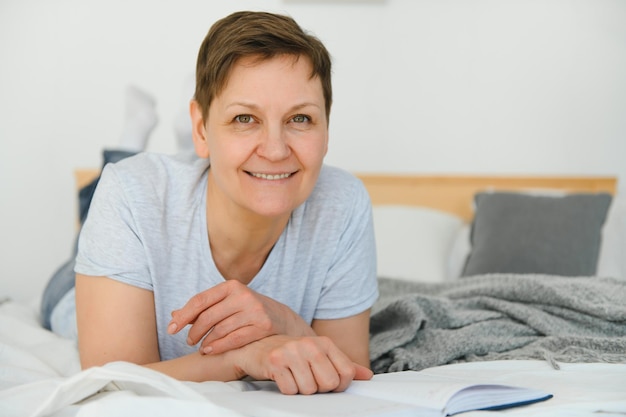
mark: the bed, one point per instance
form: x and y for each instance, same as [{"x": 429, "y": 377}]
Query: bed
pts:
[{"x": 475, "y": 284}]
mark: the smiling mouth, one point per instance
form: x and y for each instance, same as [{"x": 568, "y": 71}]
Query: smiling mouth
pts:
[{"x": 271, "y": 177}]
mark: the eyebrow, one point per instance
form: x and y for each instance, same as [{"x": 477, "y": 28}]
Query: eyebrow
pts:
[{"x": 255, "y": 107}]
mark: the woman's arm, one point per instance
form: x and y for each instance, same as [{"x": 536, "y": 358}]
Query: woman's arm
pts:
[
  {"x": 236, "y": 316},
  {"x": 351, "y": 335},
  {"x": 116, "y": 322}
]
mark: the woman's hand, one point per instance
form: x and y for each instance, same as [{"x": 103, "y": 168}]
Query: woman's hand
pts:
[
  {"x": 231, "y": 315},
  {"x": 304, "y": 365}
]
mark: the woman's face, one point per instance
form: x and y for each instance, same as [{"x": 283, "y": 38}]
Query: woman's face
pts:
[{"x": 266, "y": 134}]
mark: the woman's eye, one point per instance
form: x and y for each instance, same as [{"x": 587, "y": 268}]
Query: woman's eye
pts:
[
  {"x": 244, "y": 118},
  {"x": 300, "y": 118}
]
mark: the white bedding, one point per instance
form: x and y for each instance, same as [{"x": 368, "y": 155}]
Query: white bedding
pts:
[{"x": 40, "y": 376}]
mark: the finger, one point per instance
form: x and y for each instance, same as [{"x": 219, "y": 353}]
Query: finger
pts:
[
  {"x": 233, "y": 340},
  {"x": 224, "y": 327},
  {"x": 345, "y": 368},
  {"x": 303, "y": 375},
  {"x": 285, "y": 381},
  {"x": 362, "y": 373},
  {"x": 293, "y": 366},
  {"x": 206, "y": 322},
  {"x": 236, "y": 331},
  {"x": 326, "y": 375},
  {"x": 195, "y": 306},
  {"x": 322, "y": 362},
  {"x": 238, "y": 311}
]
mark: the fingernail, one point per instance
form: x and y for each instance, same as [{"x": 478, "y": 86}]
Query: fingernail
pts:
[
  {"x": 207, "y": 350},
  {"x": 172, "y": 328}
]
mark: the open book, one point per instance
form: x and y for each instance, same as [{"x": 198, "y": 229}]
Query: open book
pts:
[{"x": 405, "y": 393}]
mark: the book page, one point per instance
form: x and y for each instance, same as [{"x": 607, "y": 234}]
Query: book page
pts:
[
  {"x": 449, "y": 395},
  {"x": 398, "y": 394},
  {"x": 410, "y": 387}
]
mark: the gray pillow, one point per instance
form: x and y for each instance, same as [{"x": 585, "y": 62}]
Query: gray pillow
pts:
[{"x": 522, "y": 233}]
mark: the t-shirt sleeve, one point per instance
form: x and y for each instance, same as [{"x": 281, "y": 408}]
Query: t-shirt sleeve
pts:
[
  {"x": 351, "y": 285},
  {"x": 110, "y": 242}
]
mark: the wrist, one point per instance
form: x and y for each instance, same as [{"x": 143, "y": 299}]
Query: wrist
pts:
[
  {"x": 198, "y": 367},
  {"x": 235, "y": 361},
  {"x": 296, "y": 326}
]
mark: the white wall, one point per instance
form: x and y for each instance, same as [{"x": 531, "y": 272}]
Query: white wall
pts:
[{"x": 423, "y": 86}]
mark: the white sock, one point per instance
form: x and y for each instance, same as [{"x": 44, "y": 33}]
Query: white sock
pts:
[
  {"x": 182, "y": 121},
  {"x": 140, "y": 119}
]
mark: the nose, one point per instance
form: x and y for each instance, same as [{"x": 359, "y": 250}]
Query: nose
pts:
[{"x": 274, "y": 145}]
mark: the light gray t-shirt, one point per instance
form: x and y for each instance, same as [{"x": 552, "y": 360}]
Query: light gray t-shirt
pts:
[{"x": 147, "y": 227}]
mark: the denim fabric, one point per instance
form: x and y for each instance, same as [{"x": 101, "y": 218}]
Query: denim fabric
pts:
[
  {"x": 63, "y": 317},
  {"x": 62, "y": 280}
]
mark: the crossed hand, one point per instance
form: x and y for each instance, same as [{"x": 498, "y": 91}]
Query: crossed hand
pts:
[{"x": 273, "y": 341}]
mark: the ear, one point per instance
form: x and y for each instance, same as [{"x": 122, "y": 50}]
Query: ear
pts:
[{"x": 198, "y": 130}]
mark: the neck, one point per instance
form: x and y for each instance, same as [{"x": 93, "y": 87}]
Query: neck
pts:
[{"x": 240, "y": 240}]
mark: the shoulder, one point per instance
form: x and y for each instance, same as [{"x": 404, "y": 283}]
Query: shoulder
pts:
[
  {"x": 340, "y": 185},
  {"x": 149, "y": 172},
  {"x": 334, "y": 181},
  {"x": 338, "y": 194},
  {"x": 158, "y": 166}
]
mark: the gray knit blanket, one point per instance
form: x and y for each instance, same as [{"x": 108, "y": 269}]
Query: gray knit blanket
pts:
[{"x": 498, "y": 316}]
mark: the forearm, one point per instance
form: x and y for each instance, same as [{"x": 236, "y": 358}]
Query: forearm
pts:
[
  {"x": 350, "y": 334},
  {"x": 297, "y": 364},
  {"x": 197, "y": 367}
]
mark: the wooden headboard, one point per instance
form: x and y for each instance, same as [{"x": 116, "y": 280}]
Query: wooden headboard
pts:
[
  {"x": 84, "y": 176},
  {"x": 453, "y": 194}
]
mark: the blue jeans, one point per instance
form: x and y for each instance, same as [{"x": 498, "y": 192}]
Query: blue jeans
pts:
[{"x": 62, "y": 281}]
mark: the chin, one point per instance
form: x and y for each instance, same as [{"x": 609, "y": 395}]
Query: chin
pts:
[
  {"x": 274, "y": 208},
  {"x": 274, "y": 201},
  {"x": 274, "y": 212}
]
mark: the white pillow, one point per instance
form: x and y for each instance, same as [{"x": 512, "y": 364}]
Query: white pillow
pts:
[
  {"x": 414, "y": 243},
  {"x": 612, "y": 259},
  {"x": 461, "y": 248}
]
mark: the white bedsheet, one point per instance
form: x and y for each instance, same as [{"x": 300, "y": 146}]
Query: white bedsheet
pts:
[{"x": 40, "y": 376}]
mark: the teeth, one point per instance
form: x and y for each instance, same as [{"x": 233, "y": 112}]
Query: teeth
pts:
[{"x": 270, "y": 176}]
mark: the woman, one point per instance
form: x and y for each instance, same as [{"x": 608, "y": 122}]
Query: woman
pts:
[{"x": 267, "y": 253}]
